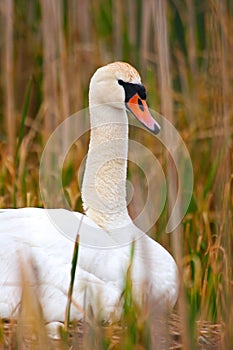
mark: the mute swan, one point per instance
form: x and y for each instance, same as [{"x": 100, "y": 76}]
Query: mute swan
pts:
[{"x": 29, "y": 234}]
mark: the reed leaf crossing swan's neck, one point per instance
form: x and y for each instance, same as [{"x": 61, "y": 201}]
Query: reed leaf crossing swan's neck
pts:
[{"x": 104, "y": 182}]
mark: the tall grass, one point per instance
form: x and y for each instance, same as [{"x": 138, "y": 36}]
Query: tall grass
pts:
[{"x": 183, "y": 50}]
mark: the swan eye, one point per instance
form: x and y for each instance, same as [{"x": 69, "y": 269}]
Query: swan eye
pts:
[
  {"x": 132, "y": 89},
  {"x": 140, "y": 105}
]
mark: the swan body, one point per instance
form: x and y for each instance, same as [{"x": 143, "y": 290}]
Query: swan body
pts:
[{"x": 44, "y": 238}]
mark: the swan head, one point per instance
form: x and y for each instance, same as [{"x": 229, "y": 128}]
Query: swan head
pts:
[{"x": 119, "y": 85}]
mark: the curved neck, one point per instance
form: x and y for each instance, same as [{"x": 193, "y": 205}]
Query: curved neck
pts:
[{"x": 104, "y": 182}]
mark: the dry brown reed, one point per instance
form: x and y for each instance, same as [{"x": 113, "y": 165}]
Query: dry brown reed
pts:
[
  {"x": 159, "y": 13},
  {"x": 7, "y": 9}
]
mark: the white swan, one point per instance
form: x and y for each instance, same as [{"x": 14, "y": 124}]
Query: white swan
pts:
[{"x": 29, "y": 234}]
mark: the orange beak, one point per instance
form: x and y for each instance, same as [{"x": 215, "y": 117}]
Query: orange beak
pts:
[{"x": 140, "y": 110}]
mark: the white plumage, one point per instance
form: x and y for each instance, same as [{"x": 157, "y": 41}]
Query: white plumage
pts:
[{"x": 29, "y": 235}]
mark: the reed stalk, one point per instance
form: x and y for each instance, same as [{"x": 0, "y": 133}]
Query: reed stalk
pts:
[
  {"x": 8, "y": 12},
  {"x": 165, "y": 80}
]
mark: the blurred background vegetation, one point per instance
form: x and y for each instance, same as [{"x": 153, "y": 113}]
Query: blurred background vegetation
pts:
[{"x": 183, "y": 50}]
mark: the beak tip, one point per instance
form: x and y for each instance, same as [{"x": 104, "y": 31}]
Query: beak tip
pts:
[{"x": 156, "y": 128}]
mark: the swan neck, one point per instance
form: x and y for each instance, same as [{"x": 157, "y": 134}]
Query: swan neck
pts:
[{"x": 104, "y": 182}]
